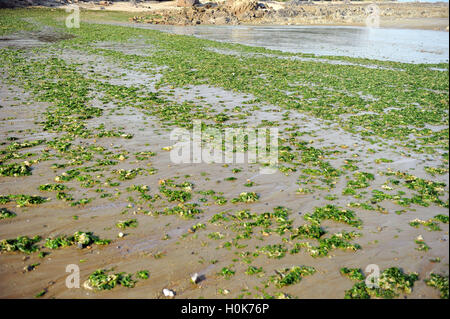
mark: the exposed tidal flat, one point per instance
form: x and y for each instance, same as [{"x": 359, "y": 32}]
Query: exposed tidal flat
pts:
[{"x": 86, "y": 176}]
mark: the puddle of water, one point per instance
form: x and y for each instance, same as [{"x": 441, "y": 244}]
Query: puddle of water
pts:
[{"x": 33, "y": 39}]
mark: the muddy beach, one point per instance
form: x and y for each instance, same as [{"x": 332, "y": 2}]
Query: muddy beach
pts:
[{"x": 86, "y": 120}]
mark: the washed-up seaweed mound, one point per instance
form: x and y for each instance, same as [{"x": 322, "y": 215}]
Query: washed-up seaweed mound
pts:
[
  {"x": 439, "y": 282},
  {"x": 82, "y": 239},
  {"x": 390, "y": 284},
  {"x": 23, "y": 244}
]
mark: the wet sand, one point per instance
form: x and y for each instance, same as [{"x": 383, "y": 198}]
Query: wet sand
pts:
[{"x": 387, "y": 239}]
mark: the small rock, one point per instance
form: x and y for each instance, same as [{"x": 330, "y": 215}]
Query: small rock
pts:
[
  {"x": 28, "y": 268},
  {"x": 87, "y": 286},
  {"x": 168, "y": 292},
  {"x": 121, "y": 235}
]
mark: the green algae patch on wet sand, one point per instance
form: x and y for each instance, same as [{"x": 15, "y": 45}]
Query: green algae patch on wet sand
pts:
[
  {"x": 291, "y": 276},
  {"x": 439, "y": 282},
  {"x": 23, "y": 244},
  {"x": 102, "y": 280},
  {"x": 391, "y": 283}
]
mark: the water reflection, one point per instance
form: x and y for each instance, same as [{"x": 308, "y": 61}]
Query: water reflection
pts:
[{"x": 242, "y": 35}]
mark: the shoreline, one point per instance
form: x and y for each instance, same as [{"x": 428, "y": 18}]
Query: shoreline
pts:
[
  {"x": 387, "y": 25},
  {"x": 434, "y": 24}
]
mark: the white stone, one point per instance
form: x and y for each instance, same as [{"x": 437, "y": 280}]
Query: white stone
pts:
[{"x": 168, "y": 292}]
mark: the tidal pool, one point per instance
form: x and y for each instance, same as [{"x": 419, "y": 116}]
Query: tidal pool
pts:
[{"x": 400, "y": 45}]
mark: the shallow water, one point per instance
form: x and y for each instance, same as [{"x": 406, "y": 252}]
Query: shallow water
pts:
[{"x": 401, "y": 45}]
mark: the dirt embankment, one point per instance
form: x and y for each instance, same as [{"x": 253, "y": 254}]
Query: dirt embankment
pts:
[{"x": 301, "y": 12}]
